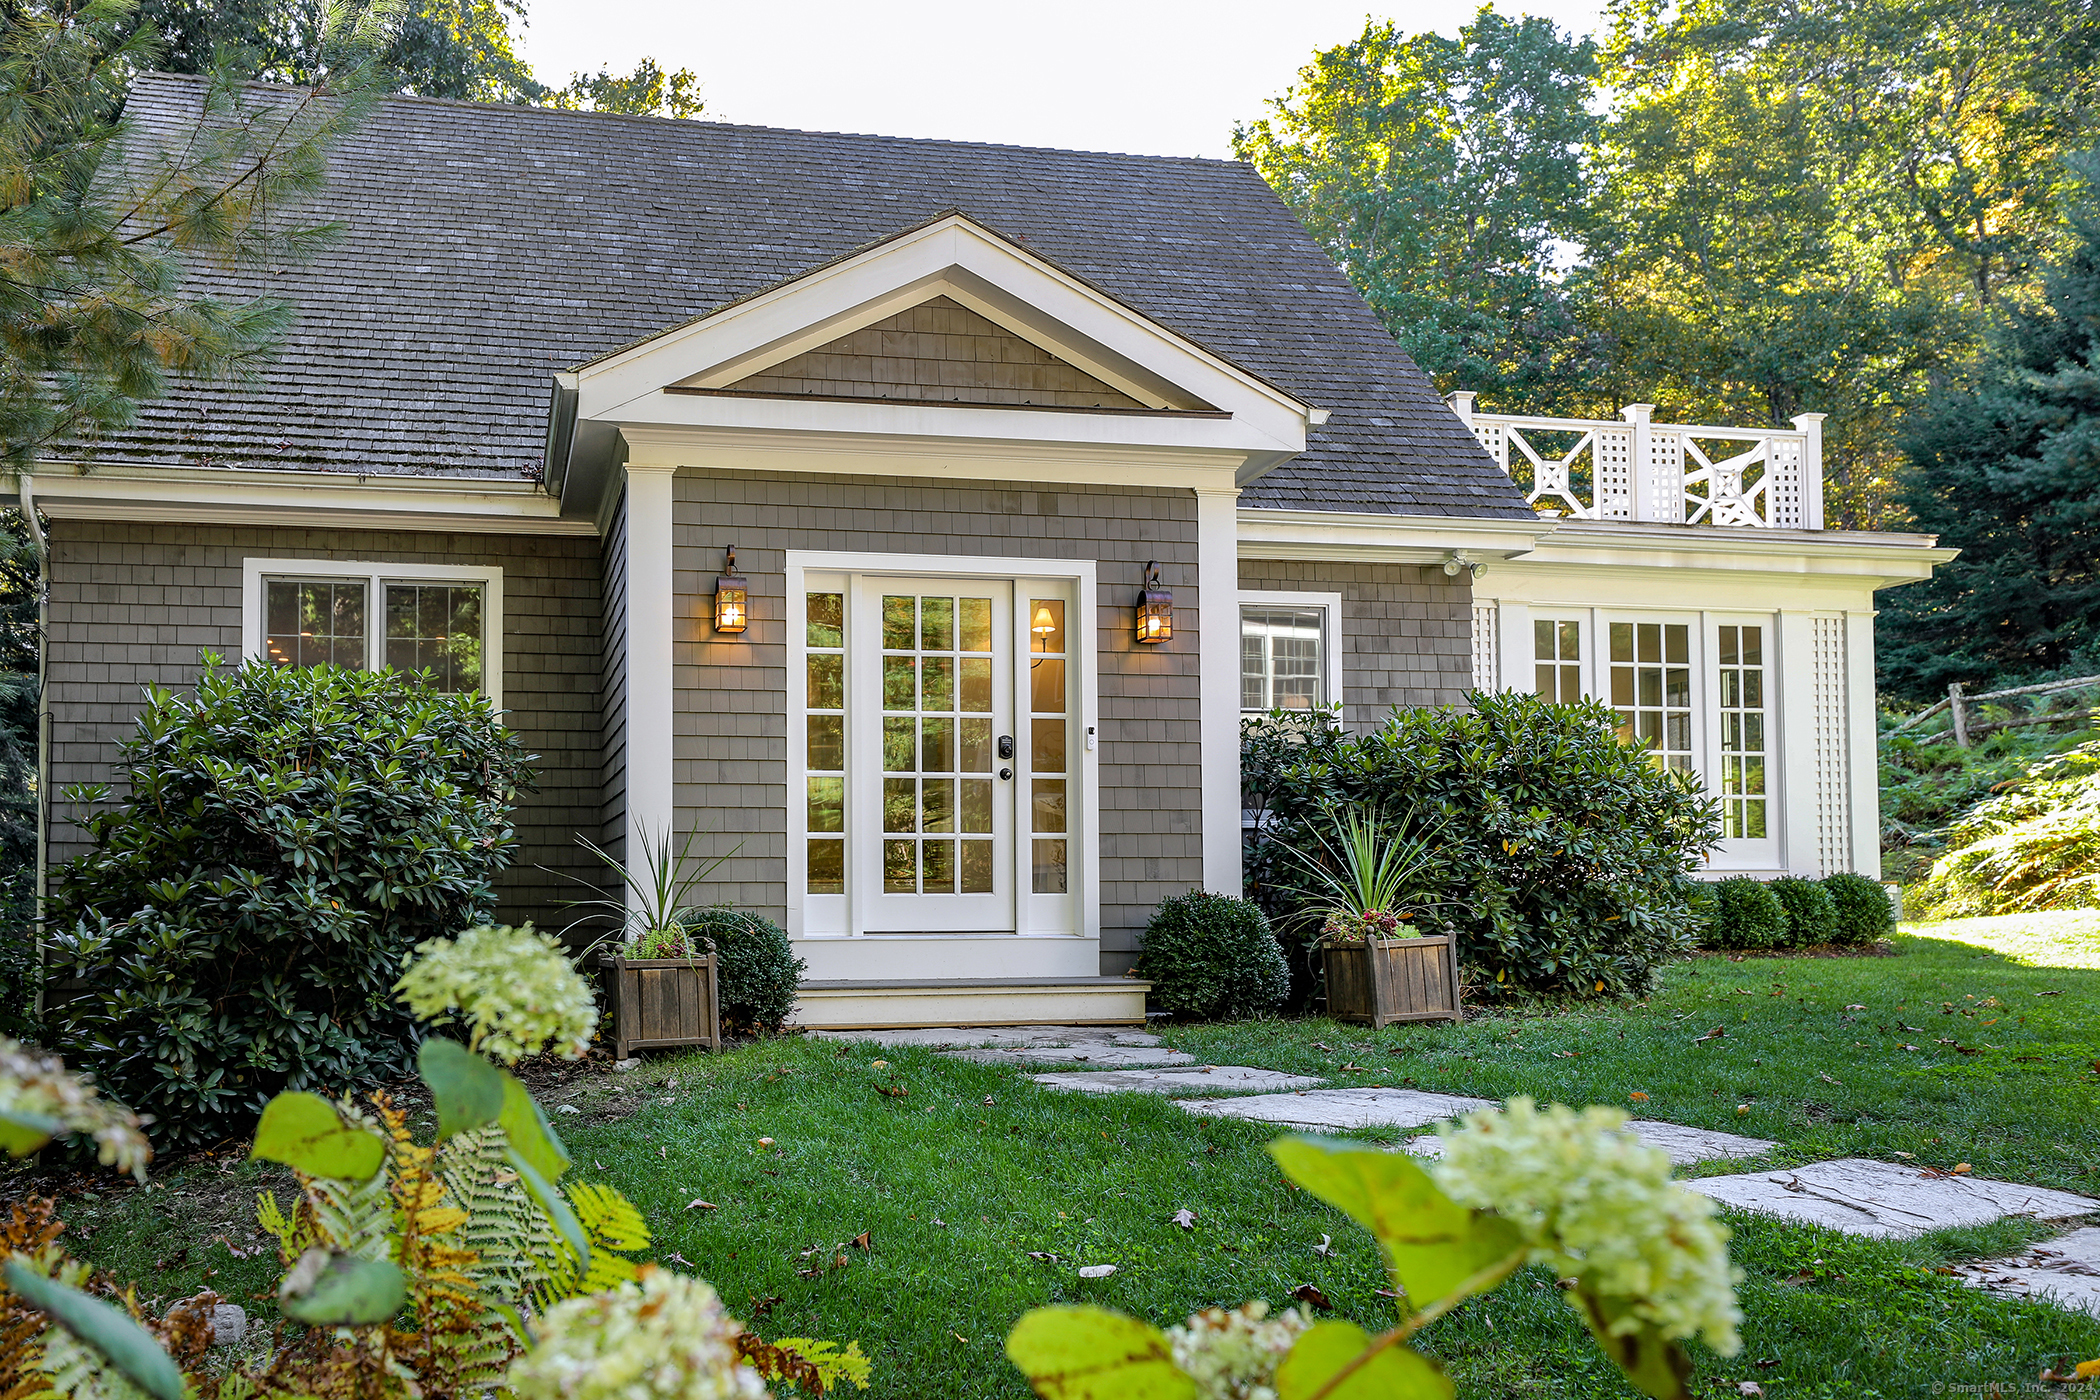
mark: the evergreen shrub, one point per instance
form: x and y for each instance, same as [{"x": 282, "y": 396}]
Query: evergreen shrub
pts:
[
  {"x": 1563, "y": 859},
  {"x": 1862, "y": 908},
  {"x": 285, "y": 839},
  {"x": 1748, "y": 916},
  {"x": 1213, "y": 957},
  {"x": 756, "y": 969},
  {"x": 1811, "y": 915}
]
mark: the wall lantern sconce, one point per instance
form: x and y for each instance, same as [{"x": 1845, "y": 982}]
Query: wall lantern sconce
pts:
[
  {"x": 1155, "y": 608},
  {"x": 732, "y": 598}
]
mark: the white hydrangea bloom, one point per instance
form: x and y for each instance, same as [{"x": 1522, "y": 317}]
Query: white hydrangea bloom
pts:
[
  {"x": 514, "y": 989},
  {"x": 664, "y": 1337},
  {"x": 38, "y": 1086},
  {"x": 1234, "y": 1355},
  {"x": 1598, "y": 1204}
]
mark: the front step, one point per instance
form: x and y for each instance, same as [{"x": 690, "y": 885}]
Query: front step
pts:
[{"x": 978, "y": 1001}]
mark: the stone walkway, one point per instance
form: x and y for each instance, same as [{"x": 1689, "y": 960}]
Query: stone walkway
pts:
[{"x": 1855, "y": 1195}]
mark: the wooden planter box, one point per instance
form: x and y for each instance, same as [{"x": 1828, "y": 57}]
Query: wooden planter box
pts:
[
  {"x": 657, "y": 1003},
  {"x": 1393, "y": 979}
]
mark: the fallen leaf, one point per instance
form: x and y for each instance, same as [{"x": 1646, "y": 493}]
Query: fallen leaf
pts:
[
  {"x": 1325, "y": 1247},
  {"x": 765, "y": 1142},
  {"x": 1742, "y": 1109},
  {"x": 1308, "y": 1293},
  {"x": 960, "y": 1338},
  {"x": 1097, "y": 1271},
  {"x": 1046, "y": 1258},
  {"x": 1958, "y": 1169},
  {"x": 1766, "y": 1363},
  {"x": 1749, "y": 1388},
  {"x": 664, "y": 1152},
  {"x": 878, "y": 1064},
  {"x": 1797, "y": 1279},
  {"x": 989, "y": 1101},
  {"x": 1828, "y": 1080},
  {"x": 1717, "y": 1033},
  {"x": 697, "y": 1204},
  {"x": 680, "y": 1258},
  {"x": 2049, "y": 994},
  {"x": 1323, "y": 1045},
  {"x": 1906, "y": 1154},
  {"x": 1906, "y": 1047},
  {"x": 860, "y": 1242},
  {"x": 1855, "y": 1006},
  {"x": 1355, "y": 1069},
  {"x": 761, "y": 1306},
  {"x": 1638, "y": 1097},
  {"x": 567, "y": 1108},
  {"x": 1186, "y": 1219}
]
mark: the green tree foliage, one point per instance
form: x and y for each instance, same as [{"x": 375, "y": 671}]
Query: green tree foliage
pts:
[
  {"x": 1445, "y": 176},
  {"x": 1562, "y": 857},
  {"x": 21, "y": 585},
  {"x": 2006, "y": 467},
  {"x": 1810, "y": 207},
  {"x": 647, "y": 91},
  {"x": 99, "y": 223},
  {"x": 284, "y": 838}
]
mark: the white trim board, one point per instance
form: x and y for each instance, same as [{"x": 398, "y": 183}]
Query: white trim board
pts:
[
  {"x": 308, "y": 500},
  {"x": 255, "y": 568}
]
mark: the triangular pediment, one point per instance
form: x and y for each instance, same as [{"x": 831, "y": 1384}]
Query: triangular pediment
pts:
[{"x": 939, "y": 351}]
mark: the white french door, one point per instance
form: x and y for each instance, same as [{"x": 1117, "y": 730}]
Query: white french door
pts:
[{"x": 936, "y": 742}]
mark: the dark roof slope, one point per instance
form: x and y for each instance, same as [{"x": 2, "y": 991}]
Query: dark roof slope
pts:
[{"x": 487, "y": 247}]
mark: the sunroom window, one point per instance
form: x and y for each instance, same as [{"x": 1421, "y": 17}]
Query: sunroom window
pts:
[
  {"x": 1283, "y": 658},
  {"x": 1651, "y": 689}
]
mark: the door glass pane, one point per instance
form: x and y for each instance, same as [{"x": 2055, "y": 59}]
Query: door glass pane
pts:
[
  {"x": 1651, "y": 690},
  {"x": 824, "y": 664},
  {"x": 1557, "y": 650},
  {"x": 1047, "y": 704},
  {"x": 1048, "y": 805},
  {"x": 436, "y": 627},
  {"x": 937, "y": 667},
  {"x": 1741, "y": 697},
  {"x": 315, "y": 624},
  {"x": 1046, "y": 685},
  {"x": 1048, "y": 866},
  {"x": 1046, "y": 745}
]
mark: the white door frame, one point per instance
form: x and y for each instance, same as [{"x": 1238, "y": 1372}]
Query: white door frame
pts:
[{"x": 1083, "y": 629}]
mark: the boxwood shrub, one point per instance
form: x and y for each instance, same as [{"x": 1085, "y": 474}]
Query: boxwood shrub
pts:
[
  {"x": 1862, "y": 909},
  {"x": 758, "y": 971},
  {"x": 284, "y": 839},
  {"x": 1211, "y": 957},
  {"x": 1811, "y": 917},
  {"x": 1748, "y": 916},
  {"x": 1567, "y": 857}
]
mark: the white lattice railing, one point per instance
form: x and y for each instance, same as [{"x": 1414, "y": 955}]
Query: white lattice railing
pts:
[{"x": 1675, "y": 473}]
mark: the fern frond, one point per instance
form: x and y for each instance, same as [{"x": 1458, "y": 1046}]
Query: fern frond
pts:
[
  {"x": 609, "y": 1218},
  {"x": 505, "y": 1229},
  {"x": 834, "y": 1363}
]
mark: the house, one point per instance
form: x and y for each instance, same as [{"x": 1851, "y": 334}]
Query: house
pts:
[{"x": 805, "y": 489}]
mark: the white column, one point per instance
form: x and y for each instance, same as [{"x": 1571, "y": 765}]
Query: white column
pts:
[
  {"x": 651, "y": 607},
  {"x": 1811, "y": 426},
  {"x": 1218, "y": 685},
  {"x": 1797, "y": 742},
  {"x": 1863, "y": 769}
]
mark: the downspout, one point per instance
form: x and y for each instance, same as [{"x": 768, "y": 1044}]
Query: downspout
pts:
[{"x": 26, "y": 492}]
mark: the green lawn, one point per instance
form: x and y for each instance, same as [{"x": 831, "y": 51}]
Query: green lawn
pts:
[{"x": 972, "y": 1171}]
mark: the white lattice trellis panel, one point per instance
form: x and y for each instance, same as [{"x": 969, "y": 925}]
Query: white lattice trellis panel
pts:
[
  {"x": 1665, "y": 477},
  {"x": 1487, "y": 648},
  {"x": 1611, "y": 459},
  {"x": 1832, "y": 753}
]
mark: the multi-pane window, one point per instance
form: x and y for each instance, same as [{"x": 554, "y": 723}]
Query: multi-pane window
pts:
[
  {"x": 936, "y": 740},
  {"x": 438, "y": 627},
  {"x": 1048, "y": 728},
  {"x": 1557, "y": 649},
  {"x": 824, "y": 757},
  {"x": 1283, "y": 658},
  {"x": 1741, "y": 662},
  {"x": 1651, "y": 688}
]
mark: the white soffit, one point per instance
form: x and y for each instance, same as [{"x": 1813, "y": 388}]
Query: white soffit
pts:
[{"x": 1181, "y": 383}]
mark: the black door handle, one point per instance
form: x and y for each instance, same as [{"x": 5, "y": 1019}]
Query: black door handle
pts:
[{"x": 1005, "y": 774}]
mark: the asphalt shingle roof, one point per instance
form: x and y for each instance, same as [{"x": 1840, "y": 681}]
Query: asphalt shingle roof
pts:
[{"x": 486, "y": 247}]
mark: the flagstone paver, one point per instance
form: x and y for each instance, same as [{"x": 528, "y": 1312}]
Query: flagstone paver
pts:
[
  {"x": 1224, "y": 1078},
  {"x": 1098, "y": 1056},
  {"x": 1684, "y": 1145},
  {"x": 1342, "y": 1108},
  {"x": 1881, "y": 1199},
  {"x": 2063, "y": 1271}
]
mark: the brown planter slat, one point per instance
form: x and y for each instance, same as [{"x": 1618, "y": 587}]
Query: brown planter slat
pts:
[
  {"x": 658, "y": 1003},
  {"x": 1390, "y": 980}
]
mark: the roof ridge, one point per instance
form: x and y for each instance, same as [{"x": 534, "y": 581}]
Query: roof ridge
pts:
[{"x": 530, "y": 112}]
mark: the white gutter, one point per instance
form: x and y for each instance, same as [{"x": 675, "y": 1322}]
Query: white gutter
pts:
[{"x": 1375, "y": 537}]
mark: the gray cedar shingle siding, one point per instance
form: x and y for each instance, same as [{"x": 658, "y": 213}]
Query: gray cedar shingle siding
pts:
[
  {"x": 733, "y": 693},
  {"x": 134, "y": 604},
  {"x": 940, "y": 350},
  {"x": 1407, "y": 632},
  {"x": 486, "y": 247}
]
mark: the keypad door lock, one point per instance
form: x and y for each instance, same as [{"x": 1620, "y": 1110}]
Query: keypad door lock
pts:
[{"x": 1006, "y": 746}]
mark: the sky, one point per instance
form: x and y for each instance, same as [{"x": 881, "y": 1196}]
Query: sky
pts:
[{"x": 1150, "y": 77}]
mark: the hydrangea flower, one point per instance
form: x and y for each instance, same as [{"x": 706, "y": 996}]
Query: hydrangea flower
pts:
[
  {"x": 1234, "y": 1355},
  {"x": 34, "y": 1087},
  {"x": 663, "y": 1337},
  {"x": 514, "y": 989},
  {"x": 1597, "y": 1204}
]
